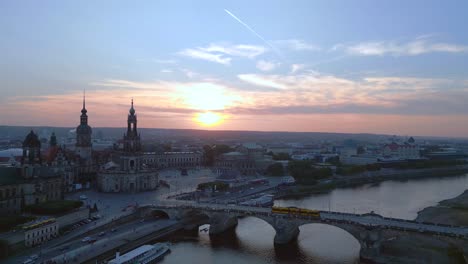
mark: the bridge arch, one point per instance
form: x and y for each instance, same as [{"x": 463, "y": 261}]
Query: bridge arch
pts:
[
  {"x": 159, "y": 214},
  {"x": 203, "y": 218},
  {"x": 326, "y": 237},
  {"x": 151, "y": 211},
  {"x": 260, "y": 225}
]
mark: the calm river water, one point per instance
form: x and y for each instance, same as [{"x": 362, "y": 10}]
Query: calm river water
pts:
[{"x": 252, "y": 241}]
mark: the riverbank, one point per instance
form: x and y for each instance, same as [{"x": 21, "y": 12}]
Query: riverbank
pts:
[
  {"x": 326, "y": 186},
  {"x": 426, "y": 249},
  {"x": 452, "y": 211}
]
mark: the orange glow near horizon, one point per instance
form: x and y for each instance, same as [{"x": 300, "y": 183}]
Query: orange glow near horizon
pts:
[
  {"x": 109, "y": 108},
  {"x": 208, "y": 119}
]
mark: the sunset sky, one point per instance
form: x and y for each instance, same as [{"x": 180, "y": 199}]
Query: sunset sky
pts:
[{"x": 393, "y": 67}]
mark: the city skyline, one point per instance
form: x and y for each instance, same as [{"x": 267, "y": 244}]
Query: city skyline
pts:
[{"x": 386, "y": 68}]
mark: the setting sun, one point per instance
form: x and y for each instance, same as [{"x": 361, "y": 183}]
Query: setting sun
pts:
[{"x": 209, "y": 118}]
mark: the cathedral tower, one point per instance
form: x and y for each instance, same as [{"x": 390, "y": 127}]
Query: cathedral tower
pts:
[
  {"x": 83, "y": 145},
  {"x": 132, "y": 138}
]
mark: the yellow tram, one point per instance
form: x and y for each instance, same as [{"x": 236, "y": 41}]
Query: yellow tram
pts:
[{"x": 295, "y": 211}]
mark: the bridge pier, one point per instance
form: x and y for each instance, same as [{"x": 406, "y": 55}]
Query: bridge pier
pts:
[
  {"x": 286, "y": 231},
  {"x": 220, "y": 223},
  {"x": 370, "y": 241}
]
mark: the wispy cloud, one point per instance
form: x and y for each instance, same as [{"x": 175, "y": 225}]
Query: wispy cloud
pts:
[
  {"x": 189, "y": 73},
  {"x": 296, "y": 45},
  {"x": 267, "y": 65},
  {"x": 222, "y": 53},
  {"x": 242, "y": 50},
  {"x": 156, "y": 85},
  {"x": 261, "y": 81},
  {"x": 297, "y": 67},
  {"x": 204, "y": 55},
  {"x": 416, "y": 47},
  {"x": 254, "y": 32},
  {"x": 378, "y": 95}
]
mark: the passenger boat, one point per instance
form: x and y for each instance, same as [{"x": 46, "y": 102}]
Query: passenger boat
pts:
[{"x": 143, "y": 255}]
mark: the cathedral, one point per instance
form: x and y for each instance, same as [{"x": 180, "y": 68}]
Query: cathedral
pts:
[{"x": 128, "y": 172}]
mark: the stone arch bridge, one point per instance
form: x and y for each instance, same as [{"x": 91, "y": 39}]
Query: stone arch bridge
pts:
[{"x": 369, "y": 229}]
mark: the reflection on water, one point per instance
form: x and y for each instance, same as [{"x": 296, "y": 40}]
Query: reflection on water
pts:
[{"x": 252, "y": 241}]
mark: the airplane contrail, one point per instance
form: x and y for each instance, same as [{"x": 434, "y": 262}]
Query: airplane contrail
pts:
[{"x": 254, "y": 32}]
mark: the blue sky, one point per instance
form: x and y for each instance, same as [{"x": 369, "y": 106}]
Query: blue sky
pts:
[{"x": 359, "y": 61}]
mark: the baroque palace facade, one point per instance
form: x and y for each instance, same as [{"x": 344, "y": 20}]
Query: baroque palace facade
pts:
[{"x": 128, "y": 171}]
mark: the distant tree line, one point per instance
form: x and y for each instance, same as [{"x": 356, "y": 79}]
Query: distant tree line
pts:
[
  {"x": 427, "y": 164},
  {"x": 275, "y": 169},
  {"x": 305, "y": 172},
  {"x": 355, "y": 169},
  {"x": 279, "y": 156}
]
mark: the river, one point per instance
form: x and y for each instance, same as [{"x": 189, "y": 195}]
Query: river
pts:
[{"x": 252, "y": 241}]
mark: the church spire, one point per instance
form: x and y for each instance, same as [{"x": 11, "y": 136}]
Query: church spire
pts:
[
  {"x": 83, "y": 111},
  {"x": 132, "y": 139},
  {"x": 132, "y": 110}
]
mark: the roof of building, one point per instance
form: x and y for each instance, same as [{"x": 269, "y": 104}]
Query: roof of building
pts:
[
  {"x": 39, "y": 223},
  {"x": 51, "y": 153},
  {"x": 233, "y": 153},
  {"x": 179, "y": 152},
  {"x": 394, "y": 146}
]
